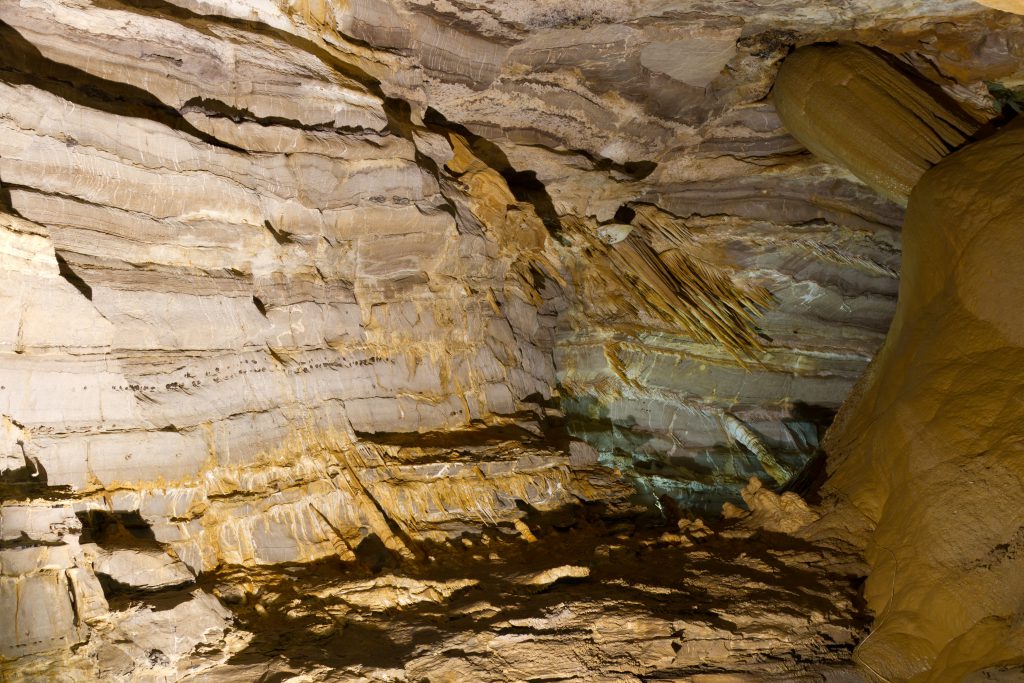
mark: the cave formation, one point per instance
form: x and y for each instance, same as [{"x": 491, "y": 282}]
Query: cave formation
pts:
[{"x": 429, "y": 341}]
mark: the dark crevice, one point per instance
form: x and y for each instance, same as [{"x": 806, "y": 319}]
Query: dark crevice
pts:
[
  {"x": 29, "y": 481},
  {"x": 117, "y": 530},
  {"x": 1009, "y": 101},
  {"x": 215, "y": 108},
  {"x": 21, "y": 63},
  {"x": 277, "y": 356},
  {"x": 965, "y": 123},
  {"x": 635, "y": 170},
  {"x": 260, "y": 306},
  {"x": 72, "y": 277},
  {"x": 159, "y": 598},
  {"x": 122, "y": 596},
  {"x": 374, "y": 555},
  {"x": 25, "y": 541},
  {"x": 458, "y": 438},
  {"x": 281, "y": 238},
  {"x": 525, "y": 185},
  {"x": 399, "y": 114},
  {"x": 6, "y": 203},
  {"x": 767, "y": 44},
  {"x": 624, "y": 214},
  {"x": 807, "y": 482}
]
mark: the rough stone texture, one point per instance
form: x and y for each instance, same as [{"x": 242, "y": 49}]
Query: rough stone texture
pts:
[
  {"x": 504, "y": 610},
  {"x": 294, "y": 281},
  {"x": 244, "y": 327},
  {"x": 848, "y": 105},
  {"x": 47, "y": 588},
  {"x": 928, "y": 448},
  {"x": 140, "y": 569}
]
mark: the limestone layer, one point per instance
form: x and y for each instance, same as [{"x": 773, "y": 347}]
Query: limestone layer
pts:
[{"x": 288, "y": 282}]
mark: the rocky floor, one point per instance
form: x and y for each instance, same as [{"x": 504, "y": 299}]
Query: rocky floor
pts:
[{"x": 589, "y": 600}]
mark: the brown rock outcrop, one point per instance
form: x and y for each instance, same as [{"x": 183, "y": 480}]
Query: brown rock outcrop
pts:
[
  {"x": 851, "y": 107},
  {"x": 928, "y": 447}
]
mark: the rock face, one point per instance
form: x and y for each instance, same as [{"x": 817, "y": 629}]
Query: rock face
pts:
[
  {"x": 927, "y": 449},
  {"x": 848, "y": 105},
  {"x": 505, "y": 609},
  {"x": 245, "y": 328},
  {"x": 297, "y": 282}
]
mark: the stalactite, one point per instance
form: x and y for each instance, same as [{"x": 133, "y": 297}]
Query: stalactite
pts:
[
  {"x": 673, "y": 283},
  {"x": 850, "y": 106}
]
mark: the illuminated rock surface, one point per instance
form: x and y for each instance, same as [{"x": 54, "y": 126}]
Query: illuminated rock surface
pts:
[
  {"x": 848, "y": 105},
  {"x": 928, "y": 448},
  {"x": 329, "y": 320}
]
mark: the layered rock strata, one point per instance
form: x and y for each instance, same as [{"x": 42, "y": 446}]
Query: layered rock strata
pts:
[
  {"x": 311, "y": 281},
  {"x": 227, "y": 307},
  {"x": 588, "y": 604},
  {"x": 693, "y": 136}
]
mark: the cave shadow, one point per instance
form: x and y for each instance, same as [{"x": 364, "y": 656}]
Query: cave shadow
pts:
[
  {"x": 524, "y": 185},
  {"x": 29, "y": 481},
  {"x": 7, "y": 202},
  {"x": 628, "y": 568},
  {"x": 1005, "y": 112},
  {"x": 809, "y": 479},
  {"x": 117, "y": 530},
  {"x": 21, "y": 63},
  {"x": 301, "y": 642}
]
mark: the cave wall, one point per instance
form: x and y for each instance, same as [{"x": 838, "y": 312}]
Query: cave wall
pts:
[
  {"x": 283, "y": 277},
  {"x": 921, "y": 459},
  {"x": 372, "y": 87}
]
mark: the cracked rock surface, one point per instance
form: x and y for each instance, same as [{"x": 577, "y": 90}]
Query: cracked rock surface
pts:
[
  {"x": 750, "y": 606},
  {"x": 305, "y": 300}
]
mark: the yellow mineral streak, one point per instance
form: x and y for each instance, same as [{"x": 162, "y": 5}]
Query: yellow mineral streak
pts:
[
  {"x": 514, "y": 225},
  {"x": 929, "y": 449},
  {"x": 660, "y": 270},
  {"x": 849, "y": 106}
]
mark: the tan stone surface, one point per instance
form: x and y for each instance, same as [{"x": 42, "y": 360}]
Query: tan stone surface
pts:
[
  {"x": 294, "y": 285},
  {"x": 1015, "y": 6},
  {"x": 849, "y": 106},
  {"x": 927, "y": 450}
]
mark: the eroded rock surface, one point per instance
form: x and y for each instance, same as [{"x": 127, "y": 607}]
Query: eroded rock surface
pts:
[
  {"x": 848, "y": 105},
  {"x": 927, "y": 450},
  {"x": 288, "y": 282},
  {"x": 762, "y": 608}
]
